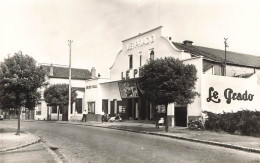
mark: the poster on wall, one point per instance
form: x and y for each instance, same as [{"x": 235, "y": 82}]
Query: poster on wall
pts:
[
  {"x": 128, "y": 89},
  {"x": 122, "y": 109}
]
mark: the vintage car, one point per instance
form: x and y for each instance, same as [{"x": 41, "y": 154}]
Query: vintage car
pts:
[{"x": 116, "y": 118}]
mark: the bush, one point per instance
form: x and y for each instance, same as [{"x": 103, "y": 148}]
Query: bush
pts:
[
  {"x": 196, "y": 124},
  {"x": 245, "y": 122}
]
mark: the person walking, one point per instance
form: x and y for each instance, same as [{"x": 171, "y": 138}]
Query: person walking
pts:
[
  {"x": 84, "y": 116},
  {"x": 102, "y": 116},
  {"x": 157, "y": 118},
  {"x": 75, "y": 115}
]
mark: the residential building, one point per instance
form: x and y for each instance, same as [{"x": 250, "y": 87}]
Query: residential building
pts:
[{"x": 57, "y": 74}]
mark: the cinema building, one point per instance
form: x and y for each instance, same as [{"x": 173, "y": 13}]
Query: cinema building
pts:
[{"x": 238, "y": 89}]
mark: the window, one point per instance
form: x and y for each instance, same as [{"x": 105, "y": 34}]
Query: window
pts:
[
  {"x": 152, "y": 55},
  {"x": 54, "y": 109},
  {"x": 91, "y": 107},
  {"x": 130, "y": 61},
  {"x": 39, "y": 109}
]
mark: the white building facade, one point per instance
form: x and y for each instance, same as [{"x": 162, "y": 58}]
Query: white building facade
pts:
[
  {"x": 59, "y": 75},
  {"x": 217, "y": 93}
]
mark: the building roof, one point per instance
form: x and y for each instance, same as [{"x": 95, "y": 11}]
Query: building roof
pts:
[
  {"x": 142, "y": 33},
  {"x": 63, "y": 72},
  {"x": 219, "y": 55}
]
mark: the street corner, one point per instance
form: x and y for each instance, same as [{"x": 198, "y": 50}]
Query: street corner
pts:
[{"x": 10, "y": 141}]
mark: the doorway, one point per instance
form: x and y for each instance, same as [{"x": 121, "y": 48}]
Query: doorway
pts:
[
  {"x": 180, "y": 114},
  {"x": 105, "y": 106}
]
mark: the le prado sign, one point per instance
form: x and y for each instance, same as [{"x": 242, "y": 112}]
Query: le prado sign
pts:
[
  {"x": 230, "y": 95},
  {"x": 140, "y": 42}
]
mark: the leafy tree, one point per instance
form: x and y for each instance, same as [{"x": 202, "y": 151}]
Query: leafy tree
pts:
[
  {"x": 58, "y": 95},
  {"x": 168, "y": 80},
  {"x": 20, "y": 79}
]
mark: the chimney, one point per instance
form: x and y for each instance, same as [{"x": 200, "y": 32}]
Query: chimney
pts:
[
  {"x": 170, "y": 38},
  {"x": 51, "y": 70},
  {"x": 93, "y": 73},
  {"x": 187, "y": 42}
]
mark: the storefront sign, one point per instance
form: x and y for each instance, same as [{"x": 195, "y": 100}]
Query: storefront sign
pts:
[
  {"x": 140, "y": 42},
  {"x": 91, "y": 86},
  {"x": 229, "y": 95},
  {"x": 127, "y": 74}
]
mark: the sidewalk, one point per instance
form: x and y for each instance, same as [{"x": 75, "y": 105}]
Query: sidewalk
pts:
[
  {"x": 24, "y": 148},
  {"x": 9, "y": 141},
  {"x": 246, "y": 143}
]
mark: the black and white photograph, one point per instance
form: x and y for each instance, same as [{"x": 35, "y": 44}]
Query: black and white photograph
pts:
[{"x": 129, "y": 81}]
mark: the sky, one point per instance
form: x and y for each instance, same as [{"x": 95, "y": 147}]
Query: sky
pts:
[{"x": 42, "y": 28}]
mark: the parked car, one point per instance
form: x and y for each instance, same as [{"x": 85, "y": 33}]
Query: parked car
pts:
[
  {"x": 116, "y": 118},
  {"x": 1, "y": 117}
]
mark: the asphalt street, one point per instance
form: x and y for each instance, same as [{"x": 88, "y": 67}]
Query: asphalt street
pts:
[{"x": 77, "y": 143}]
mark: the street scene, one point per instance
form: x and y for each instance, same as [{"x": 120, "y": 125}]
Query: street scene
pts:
[
  {"x": 74, "y": 142},
  {"x": 129, "y": 81}
]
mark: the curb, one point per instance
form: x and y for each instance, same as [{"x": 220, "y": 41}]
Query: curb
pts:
[
  {"x": 25, "y": 145},
  {"x": 54, "y": 155},
  {"x": 172, "y": 136},
  {"x": 39, "y": 140}
]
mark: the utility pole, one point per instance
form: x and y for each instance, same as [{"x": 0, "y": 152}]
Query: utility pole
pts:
[
  {"x": 69, "y": 107},
  {"x": 225, "y": 66}
]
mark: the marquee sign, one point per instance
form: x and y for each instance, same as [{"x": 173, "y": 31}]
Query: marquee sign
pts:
[
  {"x": 140, "y": 42},
  {"x": 229, "y": 95}
]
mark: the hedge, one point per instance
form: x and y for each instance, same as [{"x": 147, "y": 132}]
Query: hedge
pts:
[{"x": 244, "y": 122}]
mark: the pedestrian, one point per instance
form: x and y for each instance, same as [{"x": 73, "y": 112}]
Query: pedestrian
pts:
[
  {"x": 102, "y": 116},
  {"x": 84, "y": 116},
  {"x": 157, "y": 118},
  {"x": 75, "y": 115}
]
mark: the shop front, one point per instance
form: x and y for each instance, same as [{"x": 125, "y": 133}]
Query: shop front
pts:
[{"x": 126, "y": 101}]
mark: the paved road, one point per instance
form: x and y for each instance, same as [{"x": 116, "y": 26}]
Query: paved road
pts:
[{"x": 91, "y": 144}]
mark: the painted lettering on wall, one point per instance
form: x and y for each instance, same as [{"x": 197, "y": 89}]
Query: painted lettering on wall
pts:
[
  {"x": 91, "y": 86},
  {"x": 229, "y": 95},
  {"x": 127, "y": 74},
  {"x": 140, "y": 42},
  {"x": 213, "y": 96}
]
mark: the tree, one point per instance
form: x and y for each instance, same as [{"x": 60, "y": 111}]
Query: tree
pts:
[
  {"x": 20, "y": 79},
  {"x": 168, "y": 80},
  {"x": 58, "y": 95}
]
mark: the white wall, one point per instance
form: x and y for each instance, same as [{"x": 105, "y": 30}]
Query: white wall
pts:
[
  {"x": 110, "y": 91},
  {"x": 93, "y": 94},
  {"x": 237, "y": 70},
  {"x": 194, "y": 109},
  {"x": 238, "y": 85}
]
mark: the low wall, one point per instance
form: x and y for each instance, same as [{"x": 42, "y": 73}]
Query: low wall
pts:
[{"x": 94, "y": 117}]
